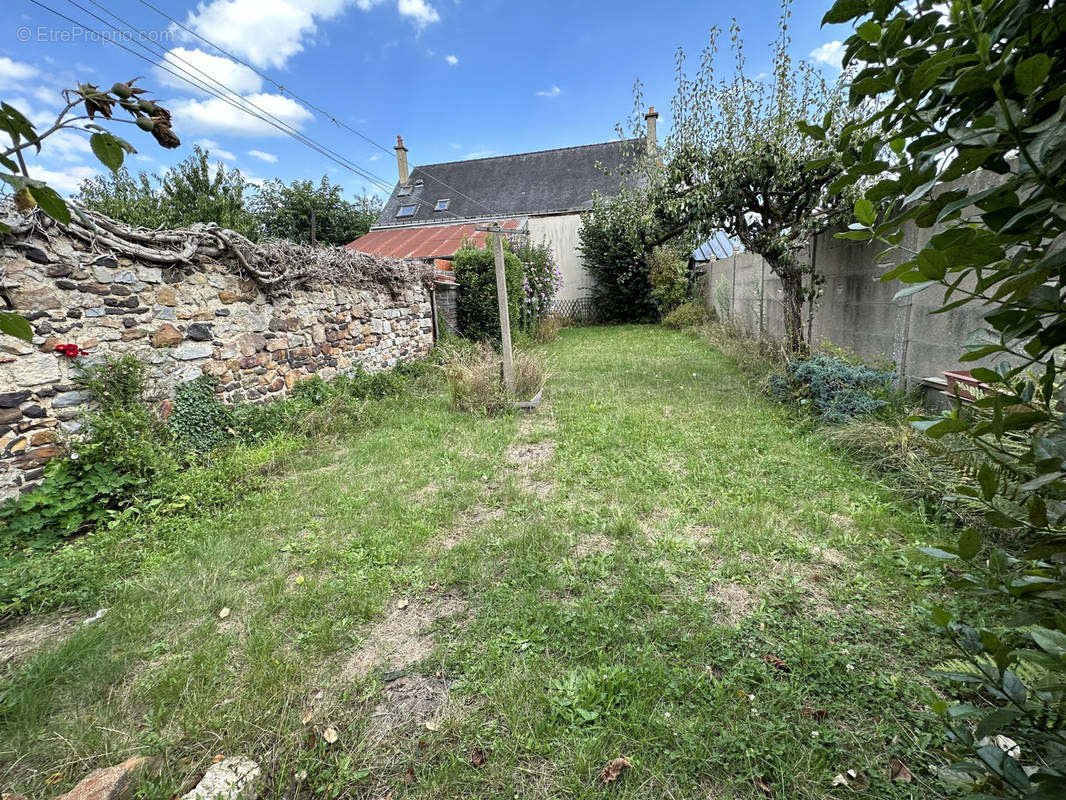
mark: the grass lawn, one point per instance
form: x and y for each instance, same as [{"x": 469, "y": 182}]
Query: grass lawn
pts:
[{"x": 656, "y": 565}]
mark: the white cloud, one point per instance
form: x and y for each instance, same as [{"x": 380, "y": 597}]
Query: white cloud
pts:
[
  {"x": 207, "y": 69},
  {"x": 420, "y": 12},
  {"x": 830, "y": 53},
  {"x": 265, "y": 32},
  {"x": 480, "y": 154},
  {"x": 65, "y": 181},
  {"x": 375, "y": 157},
  {"x": 217, "y": 116},
  {"x": 452, "y": 60},
  {"x": 70, "y": 146},
  {"x": 216, "y": 149},
  {"x": 11, "y": 72},
  {"x": 555, "y": 91},
  {"x": 270, "y": 158}
]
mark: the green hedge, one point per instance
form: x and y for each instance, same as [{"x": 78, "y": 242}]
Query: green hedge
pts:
[{"x": 477, "y": 305}]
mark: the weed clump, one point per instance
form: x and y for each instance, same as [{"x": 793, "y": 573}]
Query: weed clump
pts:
[
  {"x": 475, "y": 377},
  {"x": 688, "y": 315}
]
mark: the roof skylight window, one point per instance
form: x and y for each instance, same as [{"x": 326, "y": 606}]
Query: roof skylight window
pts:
[
  {"x": 406, "y": 211},
  {"x": 442, "y": 205}
]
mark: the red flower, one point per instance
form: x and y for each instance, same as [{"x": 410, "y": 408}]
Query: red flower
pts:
[{"x": 69, "y": 350}]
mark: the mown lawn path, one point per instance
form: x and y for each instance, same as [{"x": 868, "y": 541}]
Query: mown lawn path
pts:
[{"x": 655, "y": 565}]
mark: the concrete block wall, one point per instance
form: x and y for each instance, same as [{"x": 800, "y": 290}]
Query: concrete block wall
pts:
[
  {"x": 856, "y": 309},
  {"x": 182, "y": 324}
]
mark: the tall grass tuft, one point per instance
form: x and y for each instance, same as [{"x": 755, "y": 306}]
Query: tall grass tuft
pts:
[{"x": 475, "y": 380}]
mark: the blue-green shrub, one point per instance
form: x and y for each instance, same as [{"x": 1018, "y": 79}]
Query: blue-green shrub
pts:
[{"x": 834, "y": 390}]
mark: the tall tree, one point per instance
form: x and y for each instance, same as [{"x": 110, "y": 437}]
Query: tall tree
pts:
[
  {"x": 120, "y": 195},
  {"x": 198, "y": 191},
  {"x": 736, "y": 161},
  {"x": 286, "y": 211},
  {"x": 195, "y": 190}
]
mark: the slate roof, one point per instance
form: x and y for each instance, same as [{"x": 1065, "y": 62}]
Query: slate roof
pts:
[{"x": 510, "y": 186}]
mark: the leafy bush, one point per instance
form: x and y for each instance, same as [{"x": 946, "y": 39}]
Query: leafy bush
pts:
[
  {"x": 118, "y": 461},
  {"x": 541, "y": 281},
  {"x": 115, "y": 384},
  {"x": 616, "y": 257},
  {"x": 668, "y": 272},
  {"x": 969, "y": 99},
  {"x": 688, "y": 315},
  {"x": 834, "y": 390},
  {"x": 199, "y": 420},
  {"x": 477, "y": 306}
]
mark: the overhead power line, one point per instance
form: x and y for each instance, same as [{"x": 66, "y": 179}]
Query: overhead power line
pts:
[
  {"x": 273, "y": 120},
  {"x": 188, "y": 78},
  {"x": 305, "y": 101}
]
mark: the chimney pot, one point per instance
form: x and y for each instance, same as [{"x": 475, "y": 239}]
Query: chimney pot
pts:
[
  {"x": 401, "y": 160},
  {"x": 652, "y": 118}
]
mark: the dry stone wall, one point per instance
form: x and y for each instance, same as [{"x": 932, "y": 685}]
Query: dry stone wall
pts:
[{"x": 183, "y": 323}]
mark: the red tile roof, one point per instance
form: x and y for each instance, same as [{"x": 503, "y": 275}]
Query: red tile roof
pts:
[{"x": 433, "y": 241}]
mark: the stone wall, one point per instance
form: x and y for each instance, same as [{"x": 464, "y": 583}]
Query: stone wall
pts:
[{"x": 183, "y": 324}]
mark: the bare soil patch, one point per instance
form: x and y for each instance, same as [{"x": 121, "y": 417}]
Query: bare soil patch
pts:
[
  {"x": 28, "y": 636},
  {"x": 525, "y": 455},
  {"x": 732, "y": 601},
  {"x": 409, "y": 701},
  {"x": 402, "y": 638}
]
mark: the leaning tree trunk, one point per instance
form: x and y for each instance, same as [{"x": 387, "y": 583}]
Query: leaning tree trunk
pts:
[{"x": 792, "y": 302}]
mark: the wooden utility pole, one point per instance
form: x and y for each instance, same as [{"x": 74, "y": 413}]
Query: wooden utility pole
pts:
[
  {"x": 314, "y": 240},
  {"x": 505, "y": 314},
  {"x": 501, "y": 295}
]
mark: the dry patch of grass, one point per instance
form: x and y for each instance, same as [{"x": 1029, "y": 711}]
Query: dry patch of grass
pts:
[
  {"x": 28, "y": 636},
  {"x": 732, "y": 602},
  {"x": 410, "y": 701},
  {"x": 467, "y": 523},
  {"x": 592, "y": 545},
  {"x": 402, "y": 638}
]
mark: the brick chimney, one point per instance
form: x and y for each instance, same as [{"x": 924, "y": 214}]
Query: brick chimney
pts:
[
  {"x": 401, "y": 160},
  {"x": 652, "y": 117}
]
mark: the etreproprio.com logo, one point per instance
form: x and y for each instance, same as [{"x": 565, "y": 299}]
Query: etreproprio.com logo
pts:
[{"x": 77, "y": 34}]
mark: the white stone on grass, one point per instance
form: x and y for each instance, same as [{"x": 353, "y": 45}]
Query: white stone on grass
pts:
[{"x": 231, "y": 778}]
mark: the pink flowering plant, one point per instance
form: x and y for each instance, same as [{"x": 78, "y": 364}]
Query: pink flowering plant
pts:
[{"x": 541, "y": 281}]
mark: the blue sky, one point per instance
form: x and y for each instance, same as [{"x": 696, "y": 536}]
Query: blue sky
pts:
[{"x": 457, "y": 78}]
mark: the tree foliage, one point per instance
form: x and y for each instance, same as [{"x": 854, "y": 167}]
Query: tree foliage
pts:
[
  {"x": 195, "y": 190},
  {"x": 737, "y": 162},
  {"x": 284, "y": 211},
  {"x": 615, "y": 254},
  {"x": 968, "y": 135},
  {"x": 120, "y": 195}
]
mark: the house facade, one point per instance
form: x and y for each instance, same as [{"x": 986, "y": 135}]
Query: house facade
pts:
[{"x": 434, "y": 209}]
